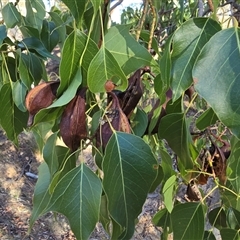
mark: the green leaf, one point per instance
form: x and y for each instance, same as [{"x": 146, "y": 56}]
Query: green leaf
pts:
[
  {"x": 11, "y": 15},
  {"x": 174, "y": 129},
  {"x": 218, "y": 81},
  {"x": 129, "y": 169},
  {"x": 40, "y": 132},
  {"x": 166, "y": 163},
  {"x": 140, "y": 122},
  {"x": 33, "y": 43},
  {"x": 70, "y": 92},
  {"x": 60, "y": 26},
  {"x": 230, "y": 199},
  {"x": 24, "y": 72},
  {"x": 74, "y": 47},
  {"x": 49, "y": 35},
  {"x": 19, "y": 92},
  {"x": 233, "y": 218},
  {"x": 145, "y": 36},
  {"x": 188, "y": 221},
  {"x": 165, "y": 65},
  {"x": 234, "y": 164},
  {"x": 208, "y": 235},
  {"x": 78, "y": 196},
  {"x": 158, "y": 179},
  {"x": 35, "y": 13},
  {"x": 162, "y": 219},
  {"x": 168, "y": 190},
  {"x": 11, "y": 118},
  {"x": 50, "y": 154},
  {"x": 129, "y": 54},
  {"x": 3, "y": 33},
  {"x": 41, "y": 194},
  {"x": 217, "y": 218},
  {"x": 206, "y": 119},
  {"x": 47, "y": 115},
  {"x": 104, "y": 216},
  {"x": 228, "y": 234},
  {"x": 77, "y": 9},
  {"x": 188, "y": 41},
  {"x": 102, "y": 68}
]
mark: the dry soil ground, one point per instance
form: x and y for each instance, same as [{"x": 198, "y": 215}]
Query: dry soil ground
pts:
[{"x": 16, "y": 194}]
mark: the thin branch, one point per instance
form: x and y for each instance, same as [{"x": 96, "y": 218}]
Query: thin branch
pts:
[
  {"x": 142, "y": 19},
  {"x": 154, "y": 20},
  {"x": 115, "y": 5}
]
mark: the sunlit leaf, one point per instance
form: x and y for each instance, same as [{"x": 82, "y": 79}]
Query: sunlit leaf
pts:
[
  {"x": 129, "y": 54},
  {"x": 74, "y": 47},
  {"x": 102, "y": 68},
  {"x": 168, "y": 190},
  {"x": 70, "y": 92},
  {"x": 188, "y": 41}
]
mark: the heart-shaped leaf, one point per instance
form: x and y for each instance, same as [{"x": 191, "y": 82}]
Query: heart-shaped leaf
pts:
[
  {"x": 41, "y": 194},
  {"x": 174, "y": 129},
  {"x": 188, "y": 221},
  {"x": 102, "y": 68},
  {"x": 11, "y": 118},
  {"x": 11, "y": 15},
  {"x": 218, "y": 81},
  {"x": 129, "y": 169},
  {"x": 78, "y": 196},
  {"x": 188, "y": 41},
  {"x": 77, "y": 9},
  {"x": 74, "y": 47},
  {"x": 129, "y": 54},
  {"x": 35, "y": 13},
  {"x": 206, "y": 119}
]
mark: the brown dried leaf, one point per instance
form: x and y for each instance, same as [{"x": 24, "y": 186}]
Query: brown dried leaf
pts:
[
  {"x": 73, "y": 126},
  {"x": 40, "y": 97}
]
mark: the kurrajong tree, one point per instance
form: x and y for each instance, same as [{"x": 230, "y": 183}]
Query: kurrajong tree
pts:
[{"x": 165, "y": 82}]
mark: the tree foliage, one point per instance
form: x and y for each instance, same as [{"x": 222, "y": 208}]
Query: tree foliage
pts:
[{"x": 164, "y": 82}]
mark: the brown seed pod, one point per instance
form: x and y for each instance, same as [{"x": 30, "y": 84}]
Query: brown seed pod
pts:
[
  {"x": 73, "y": 121},
  {"x": 114, "y": 119},
  {"x": 40, "y": 97}
]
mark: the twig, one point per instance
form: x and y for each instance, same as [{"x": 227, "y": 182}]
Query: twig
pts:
[
  {"x": 16, "y": 3},
  {"x": 152, "y": 25},
  {"x": 115, "y": 5},
  {"x": 142, "y": 19}
]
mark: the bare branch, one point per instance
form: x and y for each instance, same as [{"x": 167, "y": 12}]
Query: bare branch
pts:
[{"x": 115, "y": 5}]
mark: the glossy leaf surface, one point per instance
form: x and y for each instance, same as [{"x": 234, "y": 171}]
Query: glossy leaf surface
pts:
[{"x": 129, "y": 170}]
